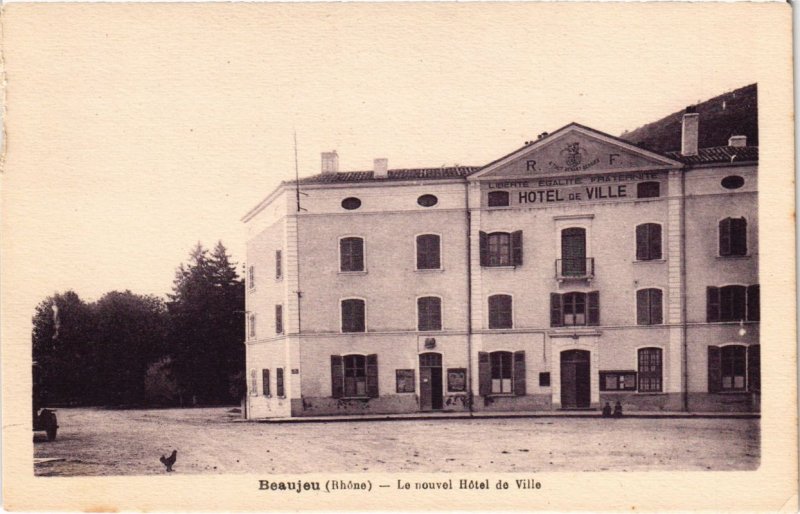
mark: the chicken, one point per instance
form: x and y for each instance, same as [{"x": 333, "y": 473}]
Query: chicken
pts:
[{"x": 169, "y": 461}]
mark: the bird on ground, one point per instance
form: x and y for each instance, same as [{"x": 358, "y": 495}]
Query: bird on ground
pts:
[{"x": 169, "y": 461}]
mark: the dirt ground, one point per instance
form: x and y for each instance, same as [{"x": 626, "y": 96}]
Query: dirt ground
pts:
[{"x": 129, "y": 442}]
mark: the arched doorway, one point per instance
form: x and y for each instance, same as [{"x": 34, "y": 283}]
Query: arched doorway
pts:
[
  {"x": 431, "y": 396},
  {"x": 575, "y": 383}
]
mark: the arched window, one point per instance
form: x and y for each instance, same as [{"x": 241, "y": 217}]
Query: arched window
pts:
[
  {"x": 501, "y": 248},
  {"x": 733, "y": 237},
  {"x": 351, "y": 254},
  {"x": 429, "y": 313},
  {"x": 428, "y": 252},
  {"x": 353, "y": 315},
  {"x": 734, "y": 368},
  {"x": 500, "y": 311},
  {"x": 498, "y": 199},
  {"x": 577, "y": 308},
  {"x": 648, "y": 242},
  {"x": 650, "y": 370}
]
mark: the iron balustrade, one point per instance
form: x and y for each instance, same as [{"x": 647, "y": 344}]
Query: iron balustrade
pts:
[{"x": 575, "y": 268}]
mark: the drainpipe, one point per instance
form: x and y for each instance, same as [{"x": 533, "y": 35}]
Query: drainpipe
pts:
[
  {"x": 470, "y": 396},
  {"x": 684, "y": 328}
]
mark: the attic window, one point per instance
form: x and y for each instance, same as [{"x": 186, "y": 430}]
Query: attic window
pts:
[
  {"x": 732, "y": 182},
  {"x": 427, "y": 200},
  {"x": 498, "y": 199},
  {"x": 648, "y": 190},
  {"x": 351, "y": 203}
]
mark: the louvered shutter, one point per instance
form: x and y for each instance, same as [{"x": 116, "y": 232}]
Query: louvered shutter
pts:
[
  {"x": 655, "y": 241},
  {"x": 372, "y": 375},
  {"x": 265, "y": 381},
  {"x": 519, "y": 373},
  {"x": 738, "y": 236},
  {"x": 337, "y": 376},
  {"x": 753, "y": 303},
  {"x": 642, "y": 314},
  {"x": 725, "y": 237},
  {"x": 279, "y": 387},
  {"x": 739, "y": 302},
  {"x": 714, "y": 369},
  {"x": 516, "y": 247},
  {"x": 712, "y": 304},
  {"x": 754, "y": 368},
  {"x": 642, "y": 253},
  {"x": 656, "y": 310},
  {"x": 484, "y": 247},
  {"x": 484, "y": 374},
  {"x": 593, "y": 299},
  {"x": 556, "y": 319}
]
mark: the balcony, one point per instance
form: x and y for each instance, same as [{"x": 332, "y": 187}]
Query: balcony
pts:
[{"x": 575, "y": 269}]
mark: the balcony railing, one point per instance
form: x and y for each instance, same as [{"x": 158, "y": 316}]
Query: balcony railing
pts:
[{"x": 575, "y": 268}]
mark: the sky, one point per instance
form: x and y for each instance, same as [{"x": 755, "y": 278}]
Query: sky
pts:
[{"x": 135, "y": 131}]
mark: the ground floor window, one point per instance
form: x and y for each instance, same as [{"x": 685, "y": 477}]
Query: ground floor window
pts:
[
  {"x": 501, "y": 373},
  {"x": 265, "y": 381},
  {"x": 734, "y": 368},
  {"x": 253, "y": 382},
  {"x": 650, "y": 370},
  {"x": 279, "y": 383},
  {"x": 354, "y": 376}
]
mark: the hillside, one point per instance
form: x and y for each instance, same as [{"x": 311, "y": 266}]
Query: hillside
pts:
[{"x": 734, "y": 113}]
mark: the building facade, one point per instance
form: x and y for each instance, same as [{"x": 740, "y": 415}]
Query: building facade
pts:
[{"x": 578, "y": 270}]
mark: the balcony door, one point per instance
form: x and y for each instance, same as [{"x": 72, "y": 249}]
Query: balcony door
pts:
[{"x": 573, "y": 252}]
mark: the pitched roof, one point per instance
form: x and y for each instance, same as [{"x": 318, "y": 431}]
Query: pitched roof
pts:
[
  {"x": 399, "y": 174},
  {"x": 718, "y": 154}
]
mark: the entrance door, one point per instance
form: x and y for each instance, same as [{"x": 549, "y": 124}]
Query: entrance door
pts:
[
  {"x": 573, "y": 252},
  {"x": 575, "y": 388},
  {"x": 430, "y": 381}
]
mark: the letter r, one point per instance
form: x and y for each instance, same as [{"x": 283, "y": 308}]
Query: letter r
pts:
[{"x": 531, "y": 165}]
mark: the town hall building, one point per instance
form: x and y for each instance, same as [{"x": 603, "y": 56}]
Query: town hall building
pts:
[{"x": 577, "y": 270}]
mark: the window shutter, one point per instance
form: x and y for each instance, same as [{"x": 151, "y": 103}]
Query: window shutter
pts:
[
  {"x": 265, "y": 381},
  {"x": 337, "y": 376},
  {"x": 753, "y": 303},
  {"x": 555, "y": 310},
  {"x": 516, "y": 247},
  {"x": 593, "y": 299},
  {"x": 484, "y": 374},
  {"x": 714, "y": 369},
  {"x": 655, "y": 241},
  {"x": 279, "y": 389},
  {"x": 739, "y": 302},
  {"x": 656, "y": 310},
  {"x": 641, "y": 243},
  {"x": 754, "y": 368},
  {"x": 642, "y": 317},
  {"x": 484, "y": 246},
  {"x": 372, "y": 375},
  {"x": 725, "y": 237},
  {"x": 738, "y": 236},
  {"x": 712, "y": 304},
  {"x": 358, "y": 254},
  {"x": 519, "y": 373}
]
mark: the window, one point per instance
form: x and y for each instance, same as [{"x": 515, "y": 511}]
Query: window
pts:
[
  {"x": 734, "y": 368},
  {"x": 648, "y": 307},
  {"x": 733, "y": 237},
  {"x": 501, "y": 373},
  {"x": 618, "y": 381},
  {"x": 428, "y": 252},
  {"x": 648, "y": 242},
  {"x": 405, "y": 380},
  {"x": 253, "y": 383},
  {"x": 354, "y": 376},
  {"x": 353, "y": 315},
  {"x": 733, "y": 303},
  {"x": 427, "y": 200},
  {"x": 278, "y": 264},
  {"x": 573, "y": 252},
  {"x": 732, "y": 182},
  {"x": 429, "y": 313},
  {"x": 544, "y": 379},
  {"x": 279, "y": 383},
  {"x": 648, "y": 189},
  {"x": 456, "y": 380},
  {"x": 500, "y": 311},
  {"x": 279, "y": 319},
  {"x": 351, "y": 203},
  {"x": 501, "y": 248},
  {"x": 252, "y": 331},
  {"x": 251, "y": 277},
  {"x": 498, "y": 199},
  {"x": 571, "y": 309},
  {"x": 351, "y": 254},
  {"x": 265, "y": 381},
  {"x": 650, "y": 366}
]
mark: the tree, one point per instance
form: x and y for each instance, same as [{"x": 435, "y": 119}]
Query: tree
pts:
[
  {"x": 63, "y": 326},
  {"x": 206, "y": 311}
]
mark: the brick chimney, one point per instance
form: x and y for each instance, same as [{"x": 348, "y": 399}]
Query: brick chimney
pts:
[
  {"x": 690, "y": 131},
  {"x": 381, "y": 168},
  {"x": 737, "y": 141},
  {"x": 330, "y": 162}
]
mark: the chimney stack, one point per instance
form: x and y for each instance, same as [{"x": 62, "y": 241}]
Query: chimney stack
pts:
[
  {"x": 381, "y": 168},
  {"x": 330, "y": 162},
  {"x": 690, "y": 131},
  {"x": 737, "y": 141}
]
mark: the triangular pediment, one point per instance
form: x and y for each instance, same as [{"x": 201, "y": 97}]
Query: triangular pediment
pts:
[{"x": 574, "y": 150}]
